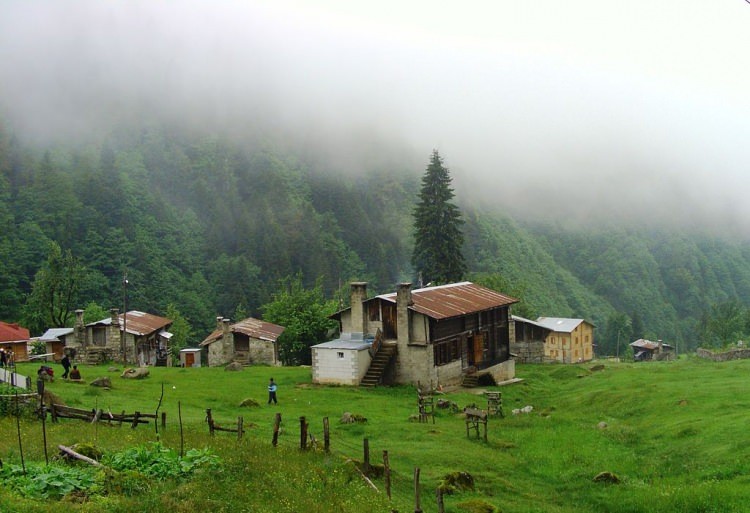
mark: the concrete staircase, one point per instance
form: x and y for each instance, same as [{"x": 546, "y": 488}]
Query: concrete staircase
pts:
[
  {"x": 379, "y": 363},
  {"x": 470, "y": 381}
]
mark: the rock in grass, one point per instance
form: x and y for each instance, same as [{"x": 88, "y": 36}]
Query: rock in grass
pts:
[
  {"x": 102, "y": 382},
  {"x": 234, "y": 366},
  {"x": 606, "y": 477},
  {"x": 249, "y": 403},
  {"x": 456, "y": 482},
  {"x": 137, "y": 373},
  {"x": 477, "y": 506}
]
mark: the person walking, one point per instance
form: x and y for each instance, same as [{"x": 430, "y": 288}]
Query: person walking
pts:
[
  {"x": 272, "y": 392},
  {"x": 65, "y": 362}
]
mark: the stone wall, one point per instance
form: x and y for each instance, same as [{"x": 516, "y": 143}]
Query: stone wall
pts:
[
  {"x": 731, "y": 354},
  {"x": 528, "y": 352}
]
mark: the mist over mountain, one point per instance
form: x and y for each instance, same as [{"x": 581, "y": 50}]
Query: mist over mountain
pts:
[{"x": 632, "y": 113}]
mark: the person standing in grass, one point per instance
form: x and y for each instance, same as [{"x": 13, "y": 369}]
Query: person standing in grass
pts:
[
  {"x": 272, "y": 392},
  {"x": 66, "y": 366}
]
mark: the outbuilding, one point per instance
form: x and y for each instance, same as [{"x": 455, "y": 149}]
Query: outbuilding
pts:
[
  {"x": 343, "y": 362},
  {"x": 190, "y": 357}
]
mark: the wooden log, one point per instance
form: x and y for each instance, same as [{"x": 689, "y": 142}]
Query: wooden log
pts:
[{"x": 71, "y": 452}]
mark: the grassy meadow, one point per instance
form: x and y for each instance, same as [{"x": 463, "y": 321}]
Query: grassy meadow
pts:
[{"x": 675, "y": 436}]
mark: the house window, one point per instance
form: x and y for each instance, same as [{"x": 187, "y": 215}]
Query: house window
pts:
[
  {"x": 340, "y": 354},
  {"x": 446, "y": 352}
]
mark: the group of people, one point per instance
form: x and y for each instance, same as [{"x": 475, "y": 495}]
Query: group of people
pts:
[{"x": 69, "y": 373}]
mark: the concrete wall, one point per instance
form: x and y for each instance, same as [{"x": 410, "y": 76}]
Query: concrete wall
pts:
[{"x": 329, "y": 367}]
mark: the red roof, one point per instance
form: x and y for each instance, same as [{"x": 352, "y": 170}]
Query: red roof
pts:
[
  {"x": 13, "y": 333},
  {"x": 454, "y": 300}
]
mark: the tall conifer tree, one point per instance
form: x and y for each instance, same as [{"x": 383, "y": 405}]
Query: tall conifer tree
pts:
[{"x": 438, "y": 239}]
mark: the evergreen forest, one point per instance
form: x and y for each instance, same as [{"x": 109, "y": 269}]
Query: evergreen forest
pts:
[{"x": 206, "y": 226}]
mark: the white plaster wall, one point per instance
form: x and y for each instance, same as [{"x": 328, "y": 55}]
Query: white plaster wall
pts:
[{"x": 327, "y": 367}]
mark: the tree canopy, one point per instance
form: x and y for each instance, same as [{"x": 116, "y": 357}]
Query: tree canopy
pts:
[{"x": 438, "y": 239}]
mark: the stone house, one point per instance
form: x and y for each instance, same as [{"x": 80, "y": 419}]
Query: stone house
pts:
[
  {"x": 14, "y": 340},
  {"x": 433, "y": 335},
  {"x": 250, "y": 341},
  {"x": 569, "y": 340},
  {"x": 647, "y": 350},
  {"x": 527, "y": 340},
  {"x": 133, "y": 337}
]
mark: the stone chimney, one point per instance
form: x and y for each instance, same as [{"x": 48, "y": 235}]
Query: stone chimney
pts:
[
  {"x": 225, "y": 326},
  {"x": 358, "y": 296},
  {"x": 114, "y": 314},
  {"x": 659, "y": 346},
  {"x": 403, "y": 301},
  {"x": 227, "y": 342},
  {"x": 219, "y": 323},
  {"x": 80, "y": 329}
]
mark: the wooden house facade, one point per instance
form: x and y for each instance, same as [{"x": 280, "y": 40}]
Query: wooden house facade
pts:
[
  {"x": 437, "y": 334},
  {"x": 569, "y": 340}
]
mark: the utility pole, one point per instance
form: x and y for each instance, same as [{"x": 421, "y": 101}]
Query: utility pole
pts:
[{"x": 124, "y": 316}]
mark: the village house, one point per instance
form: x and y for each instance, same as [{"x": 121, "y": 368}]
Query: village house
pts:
[
  {"x": 14, "y": 340},
  {"x": 434, "y": 336},
  {"x": 250, "y": 341},
  {"x": 527, "y": 340},
  {"x": 569, "y": 340},
  {"x": 647, "y": 350},
  {"x": 56, "y": 340},
  {"x": 133, "y": 337}
]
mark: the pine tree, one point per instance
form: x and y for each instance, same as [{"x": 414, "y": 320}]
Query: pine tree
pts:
[{"x": 438, "y": 239}]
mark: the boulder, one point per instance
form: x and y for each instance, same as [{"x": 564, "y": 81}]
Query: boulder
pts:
[
  {"x": 102, "y": 382},
  {"x": 135, "y": 373},
  {"x": 234, "y": 366}
]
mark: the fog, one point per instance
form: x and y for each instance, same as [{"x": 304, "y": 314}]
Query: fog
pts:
[{"x": 573, "y": 111}]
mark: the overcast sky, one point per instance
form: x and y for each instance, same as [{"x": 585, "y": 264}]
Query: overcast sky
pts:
[{"x": 580, "y": 110}]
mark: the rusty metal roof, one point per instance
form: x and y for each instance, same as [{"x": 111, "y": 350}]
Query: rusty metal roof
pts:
[
  {"x": 141, "y": 323},
  {"x": 453, "y": 300},
  {"x": 251, "y": 327},
  {"x": 643, "y": 343}
]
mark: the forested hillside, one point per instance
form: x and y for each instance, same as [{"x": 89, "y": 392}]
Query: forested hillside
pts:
[{"x": 210, "y": 226}]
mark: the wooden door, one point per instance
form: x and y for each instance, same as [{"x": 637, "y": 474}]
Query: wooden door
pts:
[
  {"x": 189, "y": 359},
  {"x": 478, "y": 348}
]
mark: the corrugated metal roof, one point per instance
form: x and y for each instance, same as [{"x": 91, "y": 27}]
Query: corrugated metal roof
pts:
[
  {"x": 648, "y": 344},
  {"x": 453, "y": 300},
  {"x": 53, "y": 334},
  {"x": 560, "y": 324},
  {"x": 141, "y": 323},
  {"x": 251, "y": 327},
  {"x": 518, "y": 318},
  {"x": 137, "y": 323}
]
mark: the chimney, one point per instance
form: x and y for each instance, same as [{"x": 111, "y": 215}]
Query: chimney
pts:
[
  {"x": 219, "y": 324},
  {"x": 80, "y": 330},
  {"x": 358, "y": 296},
  {"x": 659, "y": 346},
  {"x": 225, "y": 326},
  {"x": 403, "y": 301},
  {"x": 114, "y": 314}
]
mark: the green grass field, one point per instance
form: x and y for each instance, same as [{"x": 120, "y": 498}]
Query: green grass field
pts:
[{"x": 675, "y": 436}]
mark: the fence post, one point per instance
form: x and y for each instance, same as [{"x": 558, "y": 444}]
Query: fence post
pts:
[
  {"x": 302, "y": 433},
  {"x": 239, "y": 428},
  {"x": 326, "y": 435},
  {"x": 276, "y": 424},
  {"x": 440, "y": 503},
  {"x": 210, "y": 421},
  {"x": 366, "y": 447},
  {"x": 387, "y": 473},
  {"x": 163, "y": 419},
  {"x": 417, "y": 507}
]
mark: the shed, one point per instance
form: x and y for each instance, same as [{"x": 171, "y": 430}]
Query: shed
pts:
[
  {"x": 343, "y": 362},
  {"x": 190, "y": 357}
]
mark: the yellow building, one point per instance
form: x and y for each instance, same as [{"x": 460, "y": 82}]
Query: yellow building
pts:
[{"x": 569, "y": 341}]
